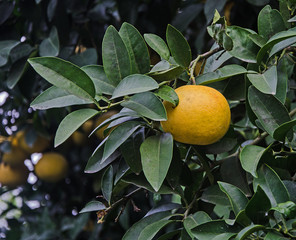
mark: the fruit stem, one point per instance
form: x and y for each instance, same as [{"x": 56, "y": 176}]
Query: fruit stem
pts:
[{"x": 198, "y": 58}]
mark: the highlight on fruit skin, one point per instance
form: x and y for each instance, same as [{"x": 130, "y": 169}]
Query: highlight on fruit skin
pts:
[
  {"x": 15, "y": 157},
  {"x": 39, "y": 145},
  {"x": 202, "y": 116},
  {"x": 102, "y": 118},
  {"x": 52, "y": 167},
  {"x": 13, "y": 176}
]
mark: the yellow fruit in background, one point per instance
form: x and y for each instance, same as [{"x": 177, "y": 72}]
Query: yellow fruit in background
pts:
[
  {"x": 40, "y": 144},
  {"x": 202, "y": 116},
  {"x": 13, "y": 176},
  {"x": 79, "y": 138},
  {"x": 199, "y": 67},
  {"x": 102, "y": 118},
  {"x": 51, "y": 167},
  {"x": 88, "y": 126},
  {"x": 15, "y": 157}
]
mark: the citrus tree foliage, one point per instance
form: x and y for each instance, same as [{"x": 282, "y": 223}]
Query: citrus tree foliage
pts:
[{"x": 241, "y": 187}]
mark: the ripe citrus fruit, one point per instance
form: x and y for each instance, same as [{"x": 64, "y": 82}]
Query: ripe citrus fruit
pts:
[
  {"x": 202, "y": 116},
  {"x": 13, "y": 176},
  {"x": 51, "y": 167},
  {"x": 102, "y": 118},
  {"x": 79, "y": 138},
  {"x": 15, "y": 157},
  {"x": 40, "y": 144}
]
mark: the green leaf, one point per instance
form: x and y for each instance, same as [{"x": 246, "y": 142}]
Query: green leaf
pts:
[
  {"x": 93, "y": 206},
  {"x": 178, "y": 46},
  {"x": 282, "y": 45},
  {"x": 151, "y": 230},
  {"x": 170, "y": 235},
  {"x": 293, "y": 19},
  {"x": 250, "y": 157},
  {"x": 158, "y": 45},
  {"x": 71, "y": 123},
  {"x": 272, "y": 185},
  {"x": 95, "y": 163},
  {"x": 214, "y": 195},
  {"x": 266, "y": 82},
  {"x": 135, "y": 231},
  {"x": 269, "y": 110},
  {"x": 282, "y": 84},
  {"x": 274, "y": 40},
  {"x": 107, "y": 184},
  {"x": 216, "y": 60},
  {"x": 137, "y": 49},
  {"x": 216, "y": 229},
  {"x": 236, "y": 197},
  {"x": 51, "y": 45},
  {"x": 5, "y": 48},
  {"x": 166, "y": 75},
  {"x": 99, "y": 78},
  {"x": 258, "y": 207},
  {"x": 220, "y": 74},
  {"x": 270, "y": 22},
  {"x": 118, "y": 136},
  {"x": 275, "y": 236},
  {"x": 162, "y": 65},
  {"x": 64, "y": 75},
  {"x": 130, "y": 150},
  {"x": 147, "y": 105},
  {"x": 257, "y": 39},
  {"x": 247, "y": 231},
  {"x": 243, "y": 48},
  {"x": 211, "y": 6},
  {"x": 135, "y": 83},
  {"x": 168, "y": 94},
  {"x": 17, "y": 71},
  {"x": 281, "y": 132},
  {"x": 194, "y": 220},
  {"x": 115, "y": 56},
  {"x": 54, "y": 97},
  {"x": 156, "y": 156},
  {"x": 287, "y": 209},
  {"x": 87, "y": 57}
]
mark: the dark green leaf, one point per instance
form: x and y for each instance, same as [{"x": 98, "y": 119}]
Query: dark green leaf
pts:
[
  {"x": 54, "y": 97},
  {"x": 168, "y": 94},
  {"x": 281, "y": 131},
  {"x": 93, "y": 206},
  {"x": 148, "y": 105},
  {"x": 151, "y": 230},
  {"x": 282, "y": 45},
  {"x": 71, "y": 123},
  {"x": 247, "y": 231},
  {"x": 5, "y": 48},
  {"x": 282, "y": 82},
  {"x": 87, "y": 57},
  {"x": 268, "y": 109},
  {"x": 64, "y": 75},
  {"x": 220, "y": 74},
  {"x": 272, "y": 185},
  {"x": 135, "y": 83},
  {"x": 95, "y": 163},
  {"x": 257, "y": 39},
  {"x": 274, "y": 236},
  {"x": 17, "y": 71},
  {"x": 214, "y": 195},
  {"x": 216, "y": 229},
  {"x": 250, "y": 157},
  {"x": 130, "y": 150},
  {"x": 99, "y": 78},
  {"x": 137, "y": 49},
  {"x": 216, "y": 60},
  {"x": 266, "y": 82},
  {"x": 156, "y": 157},
  {"x": 236, "y": 197},
  {"x": 51, "y": 45},
  {"x": 288, "y": 209},
  {"x": 211, "y": 6},
  {"x": 135, "y": 231},
  {"x": 274, "y": 40},
  {"x": 194, "y": 220},
  {"x": 162, "y": 65},
  {"x": 115, "y": 56},
  {"x": 179, "y": 46},
  {"x": 291, "y": 187},
  {"x": 167, "y": 75},
  {"x": 118, "y": 136},
  {"x": 107, "y": 183},
  {"x": 270, "y": 22},
  {"x": 169, "y": 235},
  {"x": 158, "y": 45},
  {"x": 243, "y": 48},
  {"x": 258, "y": 207}
]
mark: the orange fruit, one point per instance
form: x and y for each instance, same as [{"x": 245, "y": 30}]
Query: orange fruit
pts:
[
  {"x": 79, "y": 138},
  {"x": 15, "y": 157},
  {"x": 13, "y": 176},
  {"x": 102, "y": 118},
  {"x": 202, "y": 116},
  {"x": 40, "y": 144},
  {"x": 52, "y": 167}
]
